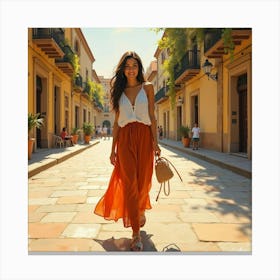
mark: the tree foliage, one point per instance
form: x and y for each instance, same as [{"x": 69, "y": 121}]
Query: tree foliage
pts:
[
  {"x": 71, "y": 56},
  {"x": 96, "y": 92},
  {"x": 174, "y": 41},
  {"x": 75, "y": 61},
  {"x": 177, "y": 41}
]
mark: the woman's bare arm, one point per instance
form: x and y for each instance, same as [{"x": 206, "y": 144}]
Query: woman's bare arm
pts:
[
  {"x": 150, "y": 94},
  {"x": 115, "y": 135}
]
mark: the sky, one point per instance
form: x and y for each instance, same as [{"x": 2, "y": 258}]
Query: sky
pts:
[{"x": 109, "y": 44}]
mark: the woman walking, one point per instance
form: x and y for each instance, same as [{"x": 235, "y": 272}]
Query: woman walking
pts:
[{"x": 133, "y": 148}]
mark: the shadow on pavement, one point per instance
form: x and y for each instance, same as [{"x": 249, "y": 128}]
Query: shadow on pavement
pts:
[
  {"x": 123, "y": 244},
  {"x": 229, "y": 200}
]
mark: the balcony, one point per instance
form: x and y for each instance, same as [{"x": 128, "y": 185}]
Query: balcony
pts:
[
  {"x": 97, "y": 105},
  {"x": 65, "y": 63},
  {"x": 48, "y": 39},
  {"x": 214, "y": 44},
  {"x": 188, "y": 68},
  {"x": 161, "y": 95},
  {"x": 78, "y": 83}
]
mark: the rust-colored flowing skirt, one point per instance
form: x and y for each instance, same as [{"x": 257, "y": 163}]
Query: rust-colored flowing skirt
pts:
[{"x": 127, "y": 195}]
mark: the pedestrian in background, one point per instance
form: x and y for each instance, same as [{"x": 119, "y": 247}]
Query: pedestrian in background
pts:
[
  {"x": 99, "y": 131},
  {"x": 134, "y": 146},
  {"x": 96, "y": 132},
  {"x": 195, "y": 136},
  {"x": 104, "y": 131},
  {"x": 109, "y": 132}
]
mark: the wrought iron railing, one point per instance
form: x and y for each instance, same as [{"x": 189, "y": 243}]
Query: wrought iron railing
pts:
[
  {"x": 191, "y": 60},
  {"x": 161, "y": 93},
  {"x": 46, "y": 33},
  {"x": 86, "y": 87},
  {"x": 78, "y": 81},
  {"x": 68, "y": 55},
  {"x": 98, "y": 104},
  {"x": 212, "y": 36}
]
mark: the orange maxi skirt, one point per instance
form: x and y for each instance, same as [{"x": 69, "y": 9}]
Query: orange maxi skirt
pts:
[{"x": 127, "y": 195}]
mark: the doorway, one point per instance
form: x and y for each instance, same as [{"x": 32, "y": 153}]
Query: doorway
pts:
[
  {"x": 56, "y": 110},
  {"x": 106, "y": 123},
  {"x": 77, "y": 116},
  {"x": 166, "y": 125},
  {"x": 195, "y": 109},
  {"x": 243, "y": 117},
  {"x": 179, "y": 121},
  {"x": 39, "y": 89}
]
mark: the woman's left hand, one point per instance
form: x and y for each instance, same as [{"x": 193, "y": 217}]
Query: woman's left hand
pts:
[{"x": 156, "y": 149}]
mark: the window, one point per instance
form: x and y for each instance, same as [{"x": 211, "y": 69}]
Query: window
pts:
[
  {"x": 66, "y": 102},
  {"x": 162, "y": 57},
  {"x": 84, "y": 115},
  {"x": 66, "y": 118},
  {"x": 76, "y": 116},
  {"x": 77, "y": 47}
]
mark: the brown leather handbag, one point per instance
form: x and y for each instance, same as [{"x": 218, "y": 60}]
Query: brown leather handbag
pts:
[{"x": 164, "y": 174}]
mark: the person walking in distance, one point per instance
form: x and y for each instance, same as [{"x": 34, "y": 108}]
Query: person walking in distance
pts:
[
  {"x": 104, "y": 131},
  {"x": 134, "y": 146},
  {"x": 195, "y": 136}
]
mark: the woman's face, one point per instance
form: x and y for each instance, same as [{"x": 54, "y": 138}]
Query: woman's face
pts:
[{"x": 131, "y": 68}]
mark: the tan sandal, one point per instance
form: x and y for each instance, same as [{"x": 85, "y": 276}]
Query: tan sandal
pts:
[{"x": 136, "y": 244}]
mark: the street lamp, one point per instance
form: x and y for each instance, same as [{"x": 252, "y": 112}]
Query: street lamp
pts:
[{"x": 207, "y": 67}]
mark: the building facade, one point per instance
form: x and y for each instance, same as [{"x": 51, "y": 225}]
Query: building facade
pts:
[
  {"x": 59, "y": 66},
  {"x": 220, "y": 103}
]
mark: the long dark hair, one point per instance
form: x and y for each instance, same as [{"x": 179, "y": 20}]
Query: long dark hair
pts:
[{"x": 118, "y": 82}]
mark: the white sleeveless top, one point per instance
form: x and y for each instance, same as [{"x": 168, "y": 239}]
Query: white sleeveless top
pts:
[{"x": 137, "y": 113}]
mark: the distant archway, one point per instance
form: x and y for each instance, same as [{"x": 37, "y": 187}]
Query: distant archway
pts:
[{"x": 106, "y": 123}]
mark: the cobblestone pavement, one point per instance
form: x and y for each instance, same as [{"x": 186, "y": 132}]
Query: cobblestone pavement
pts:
[{"x": 209, "y": 212}]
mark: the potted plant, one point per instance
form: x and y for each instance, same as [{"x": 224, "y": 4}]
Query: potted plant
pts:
[
  {"x": 75, "y": 133},
  {"x": 88, "y": 130},
  {"x": 185, "y": 133},
  {"x": 34, "y": 121}
]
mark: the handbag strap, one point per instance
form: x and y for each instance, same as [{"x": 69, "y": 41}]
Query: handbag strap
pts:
[
  {"x": 166, "y": 189},
  {"x": 171, "y": 165}
]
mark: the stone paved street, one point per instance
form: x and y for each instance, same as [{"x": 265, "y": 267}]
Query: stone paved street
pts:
[{"x": 209, "y": 212}]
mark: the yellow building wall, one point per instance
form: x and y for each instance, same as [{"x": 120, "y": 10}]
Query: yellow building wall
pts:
[
  {"x": 39, "y": 64},
  {"x": 227, "y": 60},
  {"x": 232, "y": 69},
  {"x": 207, "y": 103},
  {"x": 61, "y": 112}
]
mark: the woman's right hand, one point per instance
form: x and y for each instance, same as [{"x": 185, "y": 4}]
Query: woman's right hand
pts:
[{"x": 113, "y": 158}]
